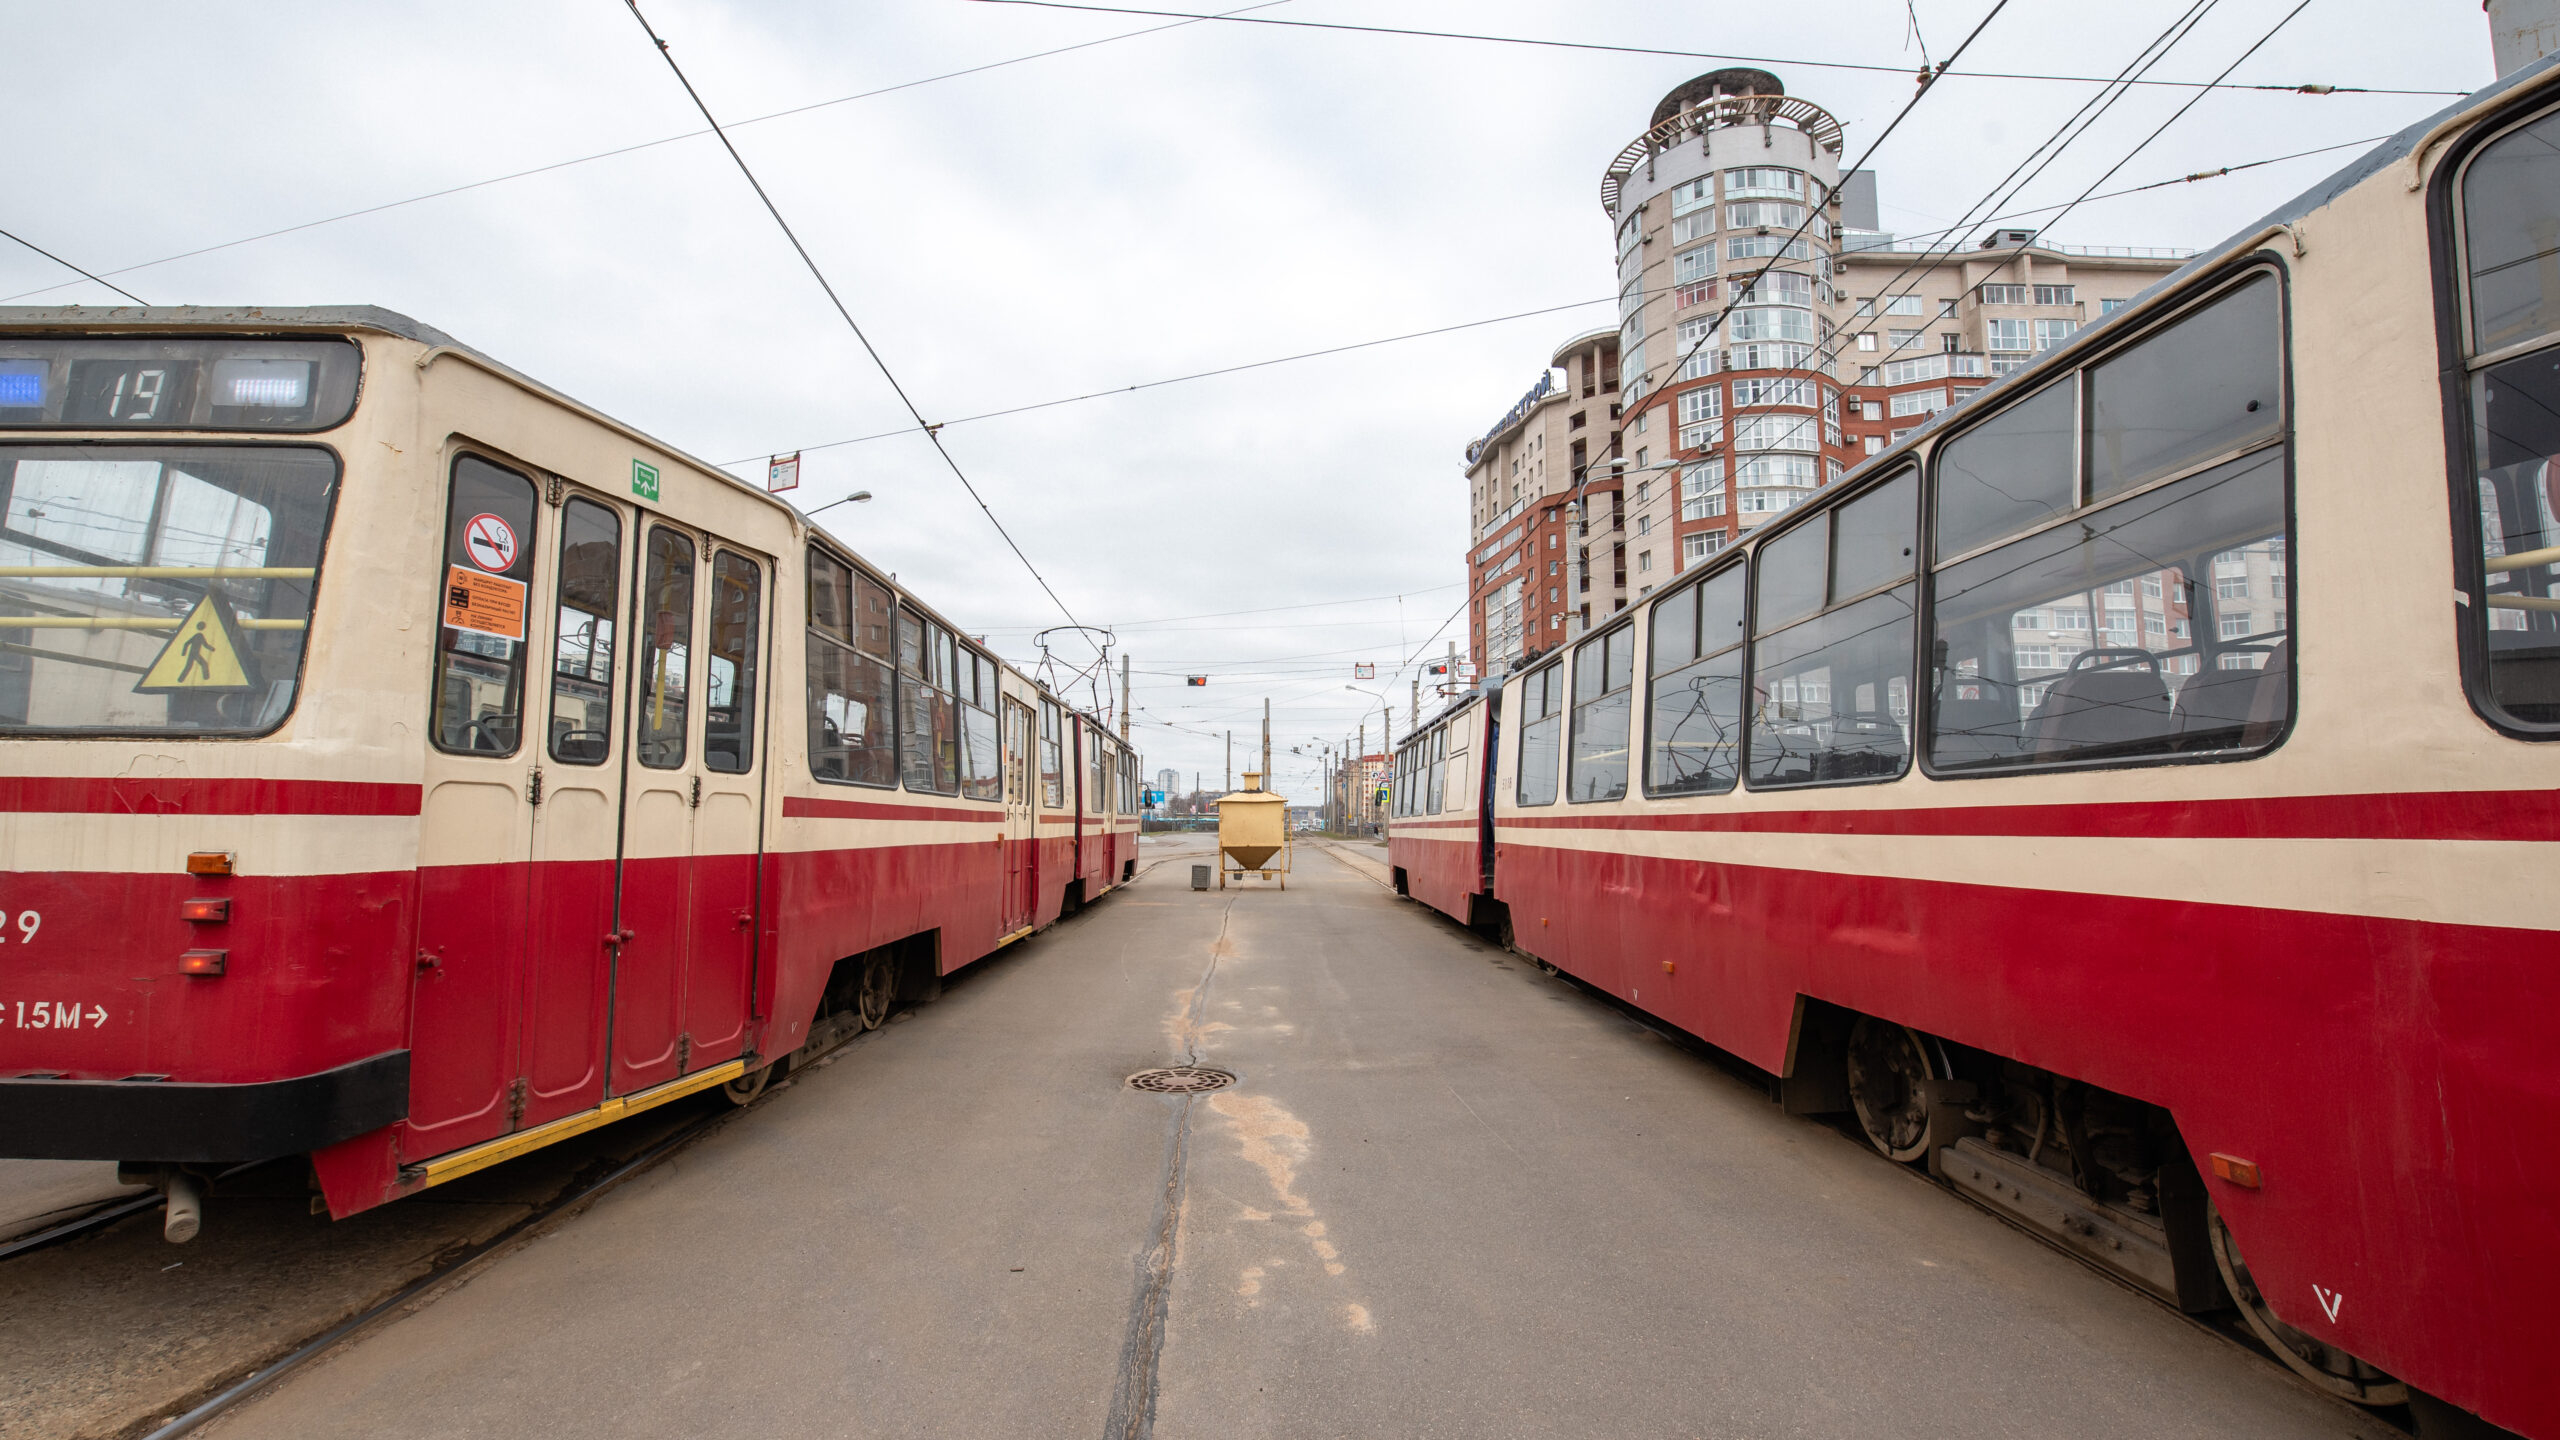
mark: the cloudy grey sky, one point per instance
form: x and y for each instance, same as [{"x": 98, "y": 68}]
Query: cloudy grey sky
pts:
[{"x": 1202, "y": 196}]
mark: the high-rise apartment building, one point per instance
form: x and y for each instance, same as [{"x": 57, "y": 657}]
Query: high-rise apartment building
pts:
[
  {"x": 1535, "y": 571},
  {"x": 1770, "y": 339},
  {"x": 1774, "y": 338}
]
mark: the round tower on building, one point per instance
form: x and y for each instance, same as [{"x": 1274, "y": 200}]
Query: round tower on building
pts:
[{"x": 1726, "y": 207}]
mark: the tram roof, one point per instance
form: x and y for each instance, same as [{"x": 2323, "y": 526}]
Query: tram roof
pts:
[{"x": 342, "y": 319}]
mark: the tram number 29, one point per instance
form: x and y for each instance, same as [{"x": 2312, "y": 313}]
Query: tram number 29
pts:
[{"x": 28, "y": 923}]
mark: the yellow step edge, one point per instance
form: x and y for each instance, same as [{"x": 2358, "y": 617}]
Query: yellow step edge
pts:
[
  {"x": 508, "y": 1147},
  {"x": 1016, "y": 935}
]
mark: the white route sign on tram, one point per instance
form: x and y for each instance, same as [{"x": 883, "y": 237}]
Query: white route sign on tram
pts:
[{"x": 490, "y": 542}]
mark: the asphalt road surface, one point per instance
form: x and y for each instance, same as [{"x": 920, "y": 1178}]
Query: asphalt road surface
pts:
[{"x": 1449, "y": 1196}]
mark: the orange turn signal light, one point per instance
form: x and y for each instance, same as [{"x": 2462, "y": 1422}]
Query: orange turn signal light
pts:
[
  {"x": 2243, "y": 1173},
  {"x": 204, "y": 912},
  {"x": 1669, "y": 968},
  {"x": 209, "y": 862},
  {"x": 202, "y": 962}
]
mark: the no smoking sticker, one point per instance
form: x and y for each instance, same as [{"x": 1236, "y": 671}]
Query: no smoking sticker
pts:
[{"x": 490, "y": 542}]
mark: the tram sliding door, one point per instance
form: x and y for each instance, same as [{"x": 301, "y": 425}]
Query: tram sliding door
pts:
[
  {"x": 1021, "y": 816},
  {"x": 693, "y": 811}
]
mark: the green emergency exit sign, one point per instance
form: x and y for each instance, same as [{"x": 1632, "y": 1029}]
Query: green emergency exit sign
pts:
[{"x": 644, "y": 479}]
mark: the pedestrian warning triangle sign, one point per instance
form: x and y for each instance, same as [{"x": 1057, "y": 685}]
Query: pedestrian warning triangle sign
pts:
[{"x": 204, "y": 656}]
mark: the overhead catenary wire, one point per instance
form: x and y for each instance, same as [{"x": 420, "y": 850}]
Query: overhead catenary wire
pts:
[
  {"x": 67, "y": 265},
  {"x": 1927, "y": 74},
  {"x": 471, "y": 185},
  {"x": 931, "y": 431}
]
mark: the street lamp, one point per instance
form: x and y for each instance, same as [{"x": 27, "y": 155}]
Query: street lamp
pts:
[
  {"x": 856, "y": 498},
  {"x": 1386, "y": 735}
]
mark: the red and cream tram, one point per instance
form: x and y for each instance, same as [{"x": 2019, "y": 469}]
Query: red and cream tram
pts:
[
  {"x": 301, "y": 853},
  {"x": 2134, "y": 795}
]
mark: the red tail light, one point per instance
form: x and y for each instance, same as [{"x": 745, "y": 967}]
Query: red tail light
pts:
[
  {"x": 204, "y": 912},
  {"x": 202, "y": 962}
]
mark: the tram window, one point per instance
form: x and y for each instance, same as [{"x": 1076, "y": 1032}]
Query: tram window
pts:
[
  {"x": 2009, "y": 473},
  {"x": 1458, "y": 790},
  {"x": 79, "y": 511},
  {"x": 928, "y": 719},
  {"x": 488, "y": 557},
  {"x": 666, "y": 601},
  {"x": 1053, "y": 756},
  {"x": 2511, "y": 234},
  {"x": 852, "y": 696},
  {"x": 729, "y": 687},
  {"x": 1433, "y": 785},
  {"x": 2207, "y": 386},
  {"x": 983, "y": 759},
  {"x": 2155, "y": 627},
  {"x": 1541, "y": 731},
  {"x": 1695, "y": 659},
  {"x": 1097, "y": 794},
  {"x": 1603, "y": 711},
  {"x": 1831, "y": 695},
  {"x": 1791, "y": 572},
  {"x": 582, "y": 639},
  {"x": 2517, "y": 627}
]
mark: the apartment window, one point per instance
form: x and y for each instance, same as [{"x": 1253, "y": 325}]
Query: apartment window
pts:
[
  {"x": 1696, "y": 293},
  {"x": 1700, "y": 364},
  {"x": 1630, "y": 234},
  {"x": 1704, "y": 402},
  {"x": 1773, "y": 390},
  {"x": 1906, "y": 305},
  {"x": 2053, "y": 294},
  {"x": 1754, "y": 247},
  {"x": 2231, "y": 587},
  {"x": 1772, "y": 323},
  {"x": 1693, "y": 227},
  {"x": 2004, "y": 294},
  {"x": 2004, "y": 364},
  {"x": 1643, "y": 489},
  {"x": 1919, "y": 402},
  {"x": 1644, "y": 558},
  {"x": 1866, "y": 340},
  {"x": 1696, "y": 263},
  {"x": 1692, "y": 195},
  {"x": 1696, "y": 332},
  {"x": 1702, "y": 490},
  {"x": 1770, "y": 355},
  {"x": 1763, "y": 214},
  {"x": 1776, "y": 287},
  {"x": 2050, "y": 333},
  {"x": 1694, "y": 548},
  {"x": 2109, "y": 307},
  {"x": 1794, "y": 471},
  {"x": 1870, "y": 410},
  {"x": 1773, "y": 432},
  {"x": 1874, "y": 444},
  {"x": 2009, "y": 335},
  {"x": 1763, "y": 181},
  {"x": 1946, "y": 309}
]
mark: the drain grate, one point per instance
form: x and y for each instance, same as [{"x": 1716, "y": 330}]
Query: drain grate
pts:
[{"x": 1181, "y": 1080}]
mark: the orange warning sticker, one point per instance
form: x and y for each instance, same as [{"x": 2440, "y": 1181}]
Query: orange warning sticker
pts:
[{"x": 482, "y": 603}]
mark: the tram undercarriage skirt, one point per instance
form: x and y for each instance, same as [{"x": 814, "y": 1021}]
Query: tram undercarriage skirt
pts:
[{"x": 163, "y": 1120}]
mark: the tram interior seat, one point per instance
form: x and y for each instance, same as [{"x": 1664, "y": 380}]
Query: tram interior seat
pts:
[
  {"x": 2111, "y": 700},
  {"x": 2222, "y": 709},
  {"x": 1977, "y": 720}
]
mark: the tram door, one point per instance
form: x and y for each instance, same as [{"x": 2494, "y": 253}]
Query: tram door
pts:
[
  {"x": 1021, "y": 845},
  {"x": 691, "y": 838}
]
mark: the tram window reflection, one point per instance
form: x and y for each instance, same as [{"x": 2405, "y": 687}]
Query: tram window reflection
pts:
[
  {"x": 583, "y": 634},
  {"x": 2009, "y": 473},
  {"x": 729, "y": 698},
  {"x": 480, "y": 654},
  {"x": 2519, "y": 626},
  {"x": 666, "y": 599},
  {"x": 1053, "y": 757},
  {"x": 2208, "y": 385},
  {"x": 983, "y": 761},
  {"x": 1831, "y": 695},
  {"x": 1603, "y": 714},
  {"x": 852, "y": 695},
  {"x": 2156, "y": 627},
  {"x": 2511, "y": 233},
  {"x": 1695, "y": 728},
  {"x": 1541, "y": 734}
]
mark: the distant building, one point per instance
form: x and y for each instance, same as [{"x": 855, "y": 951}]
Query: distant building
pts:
[
  {"x": 1534, "y": 571},
  {"x": 1170, "y": 782},
  {"x": 1711, "y": 409}
]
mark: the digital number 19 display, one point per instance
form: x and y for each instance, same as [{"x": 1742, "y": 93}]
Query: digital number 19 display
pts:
[{"x": 129, "y": 392}]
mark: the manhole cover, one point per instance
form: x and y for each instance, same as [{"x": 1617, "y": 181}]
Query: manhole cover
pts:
[{"x": 1181, "y": 1080}]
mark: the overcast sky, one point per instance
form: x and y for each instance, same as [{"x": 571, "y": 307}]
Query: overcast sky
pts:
[{"x": 1203, "y": 196}]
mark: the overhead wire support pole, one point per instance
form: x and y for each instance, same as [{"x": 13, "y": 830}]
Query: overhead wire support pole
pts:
[{"x": 931, "y": 431}]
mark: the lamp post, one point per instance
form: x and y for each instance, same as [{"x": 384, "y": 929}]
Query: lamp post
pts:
[{"x": 1386, "y": 741}]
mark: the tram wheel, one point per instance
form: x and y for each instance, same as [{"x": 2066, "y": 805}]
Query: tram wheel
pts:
[
  {"x": 2324, "y": 1365},
  {"x": 879, "y": 990},
  {"x": 1889, "y": 1071},
  {"x": 745, "y": 1089}
]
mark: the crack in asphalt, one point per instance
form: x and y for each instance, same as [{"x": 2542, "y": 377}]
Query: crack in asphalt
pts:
[{"x": 1133, "y": 1399}]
